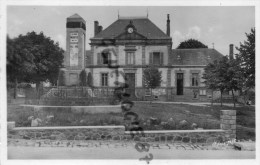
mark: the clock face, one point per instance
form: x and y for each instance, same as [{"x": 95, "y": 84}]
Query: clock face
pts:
[{"x": 130, "y": 30}]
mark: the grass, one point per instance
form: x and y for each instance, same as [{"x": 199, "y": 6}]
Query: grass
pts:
[
  {"x": 62, "y": 117},
  {"x": 164, "y": 111},
  {"x": 206, "y": 117},
  {"x": 178, "y": 112}
]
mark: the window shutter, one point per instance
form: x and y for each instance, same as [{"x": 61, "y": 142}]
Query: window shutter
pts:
[
  {"x": 109, "y": 58},
  {"x": 99, "y": 58},
  {"x": 150, "y": 58},
  {"x": 161, "y": 58},
  {"x": 199, "y": 79},
  {"x": 126, "y": 58},
  {"x": 134, "y": 58}
]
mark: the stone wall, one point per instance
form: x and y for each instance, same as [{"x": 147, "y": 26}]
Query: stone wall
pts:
[
  {"x": 227, "y": 132},
  {"x": 176, "y": 136},
  {"x": 117, "y": 133},
  {"x": 67, "y": 133},
  {"x": 228, "y": 122}
]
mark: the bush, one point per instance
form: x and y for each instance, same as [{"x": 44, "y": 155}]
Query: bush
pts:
[
  {"x": 83, "y": 78},
  {"x": 61, "y": 78},
  {"x": 90, "y": 80}
]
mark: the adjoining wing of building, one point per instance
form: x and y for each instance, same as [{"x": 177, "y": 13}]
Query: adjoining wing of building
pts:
[{"x": 132, "y": 44}]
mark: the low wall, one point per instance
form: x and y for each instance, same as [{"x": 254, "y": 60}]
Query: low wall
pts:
[
  {"x": 185, "y": 136},
  {"x": 67, "y": 133},
  {"x": 116, "y": 133},
  {"x": 77, "y": 109},
  {"x": 227, "y": 132}
]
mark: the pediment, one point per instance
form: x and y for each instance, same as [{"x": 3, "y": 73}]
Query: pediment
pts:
[{"x": 130, "y": 36}]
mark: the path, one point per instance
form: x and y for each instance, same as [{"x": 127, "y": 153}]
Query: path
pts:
[
  {"x": 64, "y": 149},
  {"x": 161, "y": 102},
  {"x": 121, "y": 153}
]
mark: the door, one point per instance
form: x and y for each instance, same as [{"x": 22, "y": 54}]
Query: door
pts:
[
  {"x": 179, "y": 83},
  {"x": 73, "y": 78},
  {"x": 130, "y": 81}
]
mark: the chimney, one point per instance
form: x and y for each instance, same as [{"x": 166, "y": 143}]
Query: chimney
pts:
[
  {"x": 100, "y": 28},
  {"x": 95, "y": 28},
  {"x": 168, "y": 31},
  {"x": 231, "y": 51}
]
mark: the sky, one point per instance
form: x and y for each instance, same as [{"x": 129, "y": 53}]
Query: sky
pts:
[{"x": 219, "y": 25}]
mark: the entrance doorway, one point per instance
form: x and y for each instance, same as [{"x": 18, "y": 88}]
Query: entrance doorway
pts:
[
  {"x": 179, "y": 83},
  {"x": 130, "y": 81}
]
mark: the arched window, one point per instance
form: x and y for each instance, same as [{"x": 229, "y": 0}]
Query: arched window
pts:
[{"x": 105, "y": 57}]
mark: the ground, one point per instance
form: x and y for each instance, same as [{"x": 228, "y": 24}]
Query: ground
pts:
[
  {"x": 122, "y": 152},
  {"x": 98, "y": 149},
  {"x": 205, "y": 115}
]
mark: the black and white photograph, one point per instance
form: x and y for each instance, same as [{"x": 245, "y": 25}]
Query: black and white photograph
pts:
[{"x": 125, "y": 82}]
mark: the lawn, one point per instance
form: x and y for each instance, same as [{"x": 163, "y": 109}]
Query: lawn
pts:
[
  {"x": 202, "y": 116},
  {"x": 206, "y": 117}
]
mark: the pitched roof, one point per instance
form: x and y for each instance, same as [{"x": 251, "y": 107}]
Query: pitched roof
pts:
[
  {"x": 143, "y": 26},
  {"x": 194, "y": 56},
  {"x": 186, "y": 56},
  {"x": 75, "y": 16}
]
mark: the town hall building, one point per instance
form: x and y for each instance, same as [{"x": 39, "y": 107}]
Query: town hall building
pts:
[{"x": 122, "y": 51}]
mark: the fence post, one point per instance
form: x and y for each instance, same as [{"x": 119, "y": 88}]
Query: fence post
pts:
[{"x": 228, "y": 122}]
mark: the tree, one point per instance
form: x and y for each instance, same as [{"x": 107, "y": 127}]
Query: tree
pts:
[
  {"x": 90, "y": 80},
  {"x": 83, "y": 78},
  {"x": 19, "y": 62},
  {"x": 152, "y": 77},
  {"x": 209, "y": 78},
  {"x": 215, "y": 76},
  {"x": 224, "y": 75},
  {"x": 61, "y": 78},
  {"x": 191, "y": 44},
  {"x": 47, "y": 57},
  {"x": 246, "y": 56},
  {"x": 234, "y": 79}
]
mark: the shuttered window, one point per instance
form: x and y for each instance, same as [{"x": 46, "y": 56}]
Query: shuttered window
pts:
[
  {"x": 195, "y": 79},
  {"x": 104, "y": 79},
  {"x": 203, "y": 92},
  {"x": 103, "y": 58},
  {"x": 130, "y": 58},
  {"x": 156, "y": 58}
]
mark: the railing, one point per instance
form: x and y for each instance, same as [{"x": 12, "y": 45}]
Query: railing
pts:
[{"x": 78, "y": 92}]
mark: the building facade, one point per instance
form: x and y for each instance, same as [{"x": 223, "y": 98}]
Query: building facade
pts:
[{"x": 121, "y": 52}]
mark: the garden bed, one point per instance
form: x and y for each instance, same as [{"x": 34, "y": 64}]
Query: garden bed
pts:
[
  {"x": 167, "y": 118},
  {"x": 207, "y": 117}
]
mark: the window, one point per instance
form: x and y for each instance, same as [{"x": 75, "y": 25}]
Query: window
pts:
[
  {"x": 195, "y": 94},
  {"x": 195, "y": 79},
  {"x": 203, "y": 92},
  {"x": 148, "y": 92},
  {"x": 156, "y": 58},
  {"x": 73, "y": 40},
  {"x": 105, "y": 58},
  {"x": 104, "y": 79},
  {"x": 74, "y": 34},
  {"x": 130, "y": 59}
]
